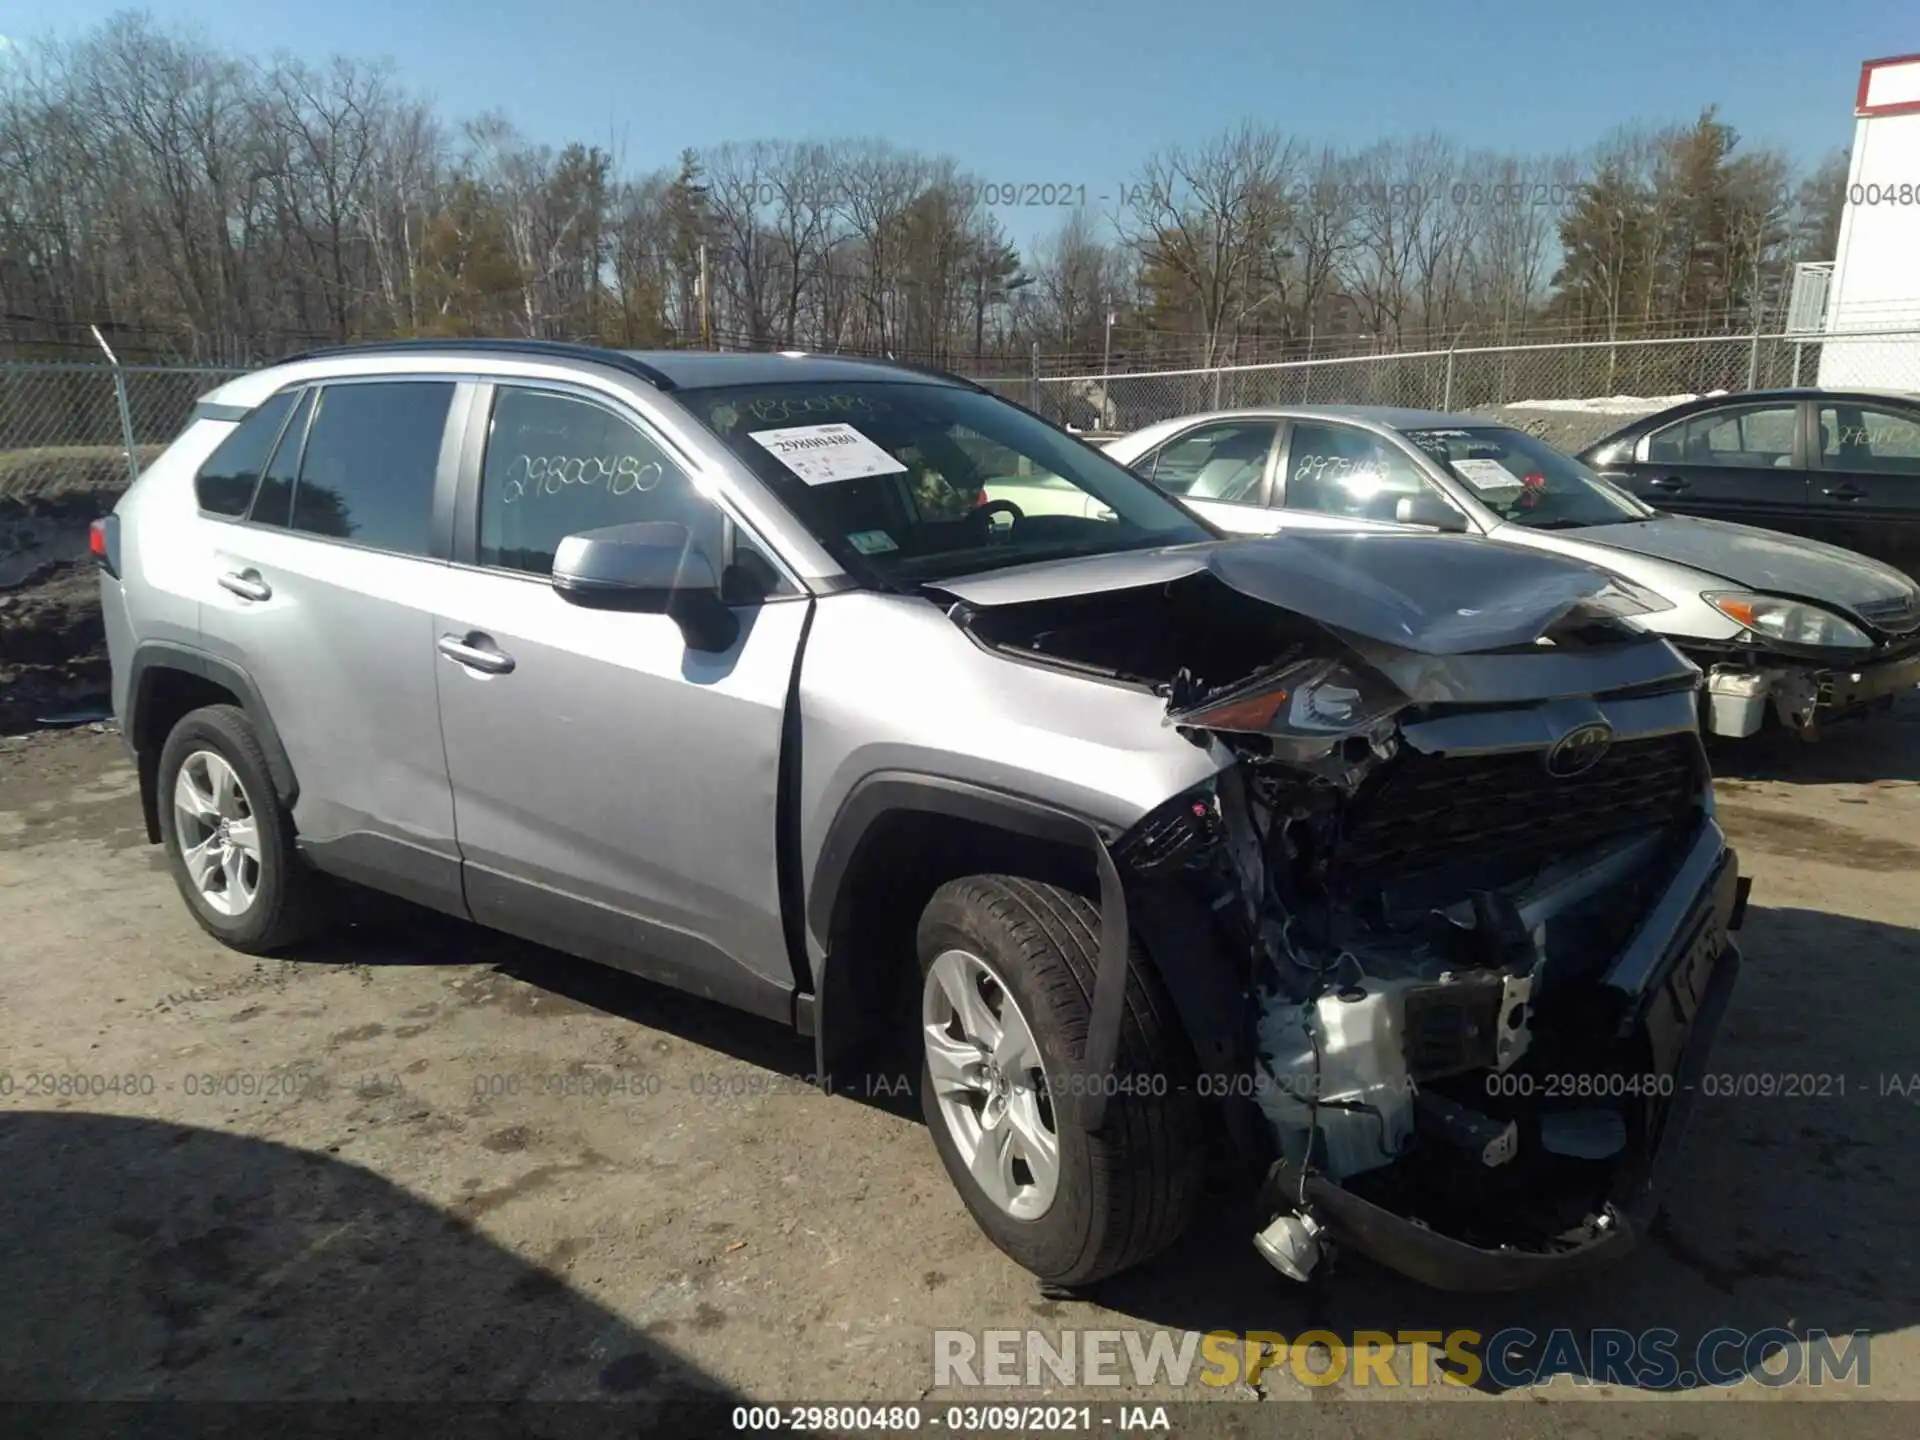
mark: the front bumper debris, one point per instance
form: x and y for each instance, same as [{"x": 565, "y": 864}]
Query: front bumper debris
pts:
[
  {"x": 1802, "y": 697},
  {"x": 1673, "y": 982}
]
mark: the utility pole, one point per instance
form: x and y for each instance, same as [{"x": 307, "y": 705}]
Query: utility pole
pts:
[
  {"x": 1106, "y": 370},
  {"x": 706, "y": 301}
]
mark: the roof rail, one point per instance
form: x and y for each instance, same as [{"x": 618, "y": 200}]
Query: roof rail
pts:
[
  {"x": 934, "y": 370},
  {"x": 559, "y": 349}
]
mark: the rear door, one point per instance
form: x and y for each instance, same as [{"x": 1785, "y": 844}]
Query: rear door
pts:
[
  {"x": 324, "y": 593},
  {"x": 1866, "y": 487},
  {"x": 1222, "y": 468},
  {"x": 1745, "y": 463}
]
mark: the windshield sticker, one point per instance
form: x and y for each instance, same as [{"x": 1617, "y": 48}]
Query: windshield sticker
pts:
[
  {"x": 1487, "y": 475},
  {"x": 871, "y": 542},
  {"x": 826, "y": 454}
]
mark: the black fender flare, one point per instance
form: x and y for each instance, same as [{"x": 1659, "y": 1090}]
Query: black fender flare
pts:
[
  {"x": 149, "y": 660},
  {"x": 890, "y": 792}
]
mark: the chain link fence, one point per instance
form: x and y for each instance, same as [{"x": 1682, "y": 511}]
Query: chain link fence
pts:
[
  {"x": 1659, "y": 371},
  {"x": 66, "y": 427}
]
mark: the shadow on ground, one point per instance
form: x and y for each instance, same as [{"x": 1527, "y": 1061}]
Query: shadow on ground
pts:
[
  {"x": 1794, "y": 1211},
  {"x": 1884, "y": 747},
  {"x": 148, "y": 1260},
  {"x": 382, "y": 930}
]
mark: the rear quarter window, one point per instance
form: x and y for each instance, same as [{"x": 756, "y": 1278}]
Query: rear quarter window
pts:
[{"x": 225, "y": 483}]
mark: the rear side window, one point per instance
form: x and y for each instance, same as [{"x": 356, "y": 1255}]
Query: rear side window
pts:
[
  {"x": 367, "y": 474},
  {"x": 1227, "y": 461},
  {"x": 225, "y": 482}
]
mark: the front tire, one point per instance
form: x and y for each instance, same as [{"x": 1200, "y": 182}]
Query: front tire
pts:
[
  {"x": 1007, "y": 968},
  {"x": 229, "y": 840}
]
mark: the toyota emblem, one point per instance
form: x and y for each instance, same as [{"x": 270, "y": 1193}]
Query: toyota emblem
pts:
[{"x": 1579, "y": 750}]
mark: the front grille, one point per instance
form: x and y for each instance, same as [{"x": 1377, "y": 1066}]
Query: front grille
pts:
[
  {"x": 1494, "y": 813},
  {"x": 1896, "y": 616}
]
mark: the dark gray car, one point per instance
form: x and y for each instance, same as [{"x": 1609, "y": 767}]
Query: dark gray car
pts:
[
  {"x": 746, "y": 674},
  {"x": 1837, "y": 466}
]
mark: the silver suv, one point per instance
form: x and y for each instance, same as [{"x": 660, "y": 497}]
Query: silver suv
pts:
[{"x": 857, "y": 697}]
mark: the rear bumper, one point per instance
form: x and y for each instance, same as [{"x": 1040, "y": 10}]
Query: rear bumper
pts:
[{"x": 1675, "y": 1003}]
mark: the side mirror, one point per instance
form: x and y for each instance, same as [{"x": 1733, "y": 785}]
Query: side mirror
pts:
[
  {"x": 651, "y": 567},
  {"x": 1429, "y": 509}
]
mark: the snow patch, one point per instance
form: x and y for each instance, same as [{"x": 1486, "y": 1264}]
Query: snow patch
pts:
[{"x": 1609, "y": 404}]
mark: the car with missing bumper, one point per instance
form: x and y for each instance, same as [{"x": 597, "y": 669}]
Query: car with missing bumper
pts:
[
  {"x": 1325, "y": 857},
  {"x": 1791, "y": 633}
]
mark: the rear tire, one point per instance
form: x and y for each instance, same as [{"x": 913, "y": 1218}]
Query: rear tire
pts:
[
  {"x": 229, "y": 840},
  {"x": 1118, "y": 1196}
]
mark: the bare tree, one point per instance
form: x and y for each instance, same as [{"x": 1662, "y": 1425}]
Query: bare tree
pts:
[{"x": 1203, "y": 222}]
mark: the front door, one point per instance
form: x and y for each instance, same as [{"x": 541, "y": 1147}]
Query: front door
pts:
[
  {"x": 615, "y": 792},
  {"x": 1866, "y": 492}
]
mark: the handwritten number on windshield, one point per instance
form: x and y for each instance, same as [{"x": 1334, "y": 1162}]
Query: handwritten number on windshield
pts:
[
  {"x": 779, "y": 407},
  {"x": 533, "y": 475}
]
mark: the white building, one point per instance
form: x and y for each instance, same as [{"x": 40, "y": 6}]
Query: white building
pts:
[{"x": 1876, "y": 274}]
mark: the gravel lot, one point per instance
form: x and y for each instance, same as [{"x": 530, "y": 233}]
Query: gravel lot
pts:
[{"x": 365, "y": 1170}]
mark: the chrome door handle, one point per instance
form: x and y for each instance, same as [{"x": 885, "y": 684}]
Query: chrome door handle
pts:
[
  {"x": 247, "y": 584},
  {"x": 482, "y": 656},
  {"x": 1845, "y": 490}
]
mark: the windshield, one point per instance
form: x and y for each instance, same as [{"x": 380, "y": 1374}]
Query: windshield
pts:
[
  {"x": 1526, "y": 481},
  {"x": 908, "y": 482}
]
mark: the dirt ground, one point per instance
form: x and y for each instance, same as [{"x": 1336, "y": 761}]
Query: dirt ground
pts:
[
  {"x": 53, "y": 650},
  {"x": 418, "y": 1160}
]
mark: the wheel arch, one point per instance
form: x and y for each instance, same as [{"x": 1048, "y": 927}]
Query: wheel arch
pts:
[
  {"x": 896, "y": 838},
  {"x": 167, "y": 681}
]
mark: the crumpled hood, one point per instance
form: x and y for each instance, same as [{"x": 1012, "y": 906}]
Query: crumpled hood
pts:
[
  {"x": 1758, "y": 559},
  {"x": 1437, "y": 594}
]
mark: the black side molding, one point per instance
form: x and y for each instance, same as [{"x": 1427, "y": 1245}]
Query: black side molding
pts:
[
  {"x": 891, "y": 791},
  {"x": 156, "y": 656}
]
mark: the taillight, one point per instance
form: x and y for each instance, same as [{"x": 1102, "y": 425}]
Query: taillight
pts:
[{"x": 103, "y": 541}]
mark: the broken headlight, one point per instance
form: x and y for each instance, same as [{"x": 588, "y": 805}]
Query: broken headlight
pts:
[
  {"x": 1306, "y": 698},
  {"x": 1791, "y": 622}
]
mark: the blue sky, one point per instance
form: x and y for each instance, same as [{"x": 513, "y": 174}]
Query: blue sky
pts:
[{"x": 1076, "y": 92}]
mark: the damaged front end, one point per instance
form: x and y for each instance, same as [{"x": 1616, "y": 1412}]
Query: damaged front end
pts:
[{"x": 1449, "y": 927}]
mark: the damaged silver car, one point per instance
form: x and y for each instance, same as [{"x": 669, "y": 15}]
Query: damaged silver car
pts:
[
  {"x": 1449, "y": 923},
  {"x": 1380, "y": 867}
]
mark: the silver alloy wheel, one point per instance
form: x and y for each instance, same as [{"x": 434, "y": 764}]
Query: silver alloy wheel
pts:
[
  {"x": 219, "y": 839},
  {"x": 989, "y": 1084}
]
